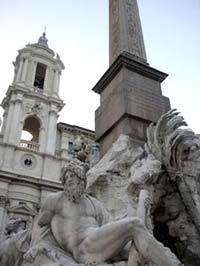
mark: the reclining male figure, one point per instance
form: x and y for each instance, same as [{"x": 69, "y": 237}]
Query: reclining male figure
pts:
[{"x": 77, "y": 222}]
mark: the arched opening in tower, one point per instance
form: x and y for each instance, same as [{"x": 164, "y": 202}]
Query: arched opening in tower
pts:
[
  {"x": 40, "y": 76},
  {"x": 31, "y": 129}
]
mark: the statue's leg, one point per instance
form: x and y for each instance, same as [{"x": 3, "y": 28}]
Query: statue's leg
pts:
[
  {"x": 153, "y": 250},
  {"x": 103, "y": 243}
]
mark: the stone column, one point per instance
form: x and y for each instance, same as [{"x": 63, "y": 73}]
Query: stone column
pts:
[
  {"x": 56, "y": 82},
  {"x": 52, "y": 130},
  {"x": 3, "y": 215},
  {"x": 14, "y": 137},
  {"x": 33, "y": 73},
  {"x": 19, "y": 71},
  {"x": 42, "y": 139},
  {"x": 4, "y": 122},
  {"x": 15, "y": 73},
  {"x": 46, "y": 79},
  {"x": 48, "y": 85},
  {"x": 125, "y": 30},
  {"x": 30, "y": 72},
  {"x": 64, "y": 145},
  {"x": 24, "y": 70},
  {"x": 8, "y": 122}
]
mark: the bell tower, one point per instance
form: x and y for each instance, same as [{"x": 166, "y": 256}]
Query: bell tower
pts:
[{"x": 32, "y": 101}]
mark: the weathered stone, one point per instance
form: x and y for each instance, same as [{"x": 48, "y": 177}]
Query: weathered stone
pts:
[
  {"x": 73, "y": 227},
  {"x": 125, "y": 29},
  {"x": 130, "y": 99},
  {"x": 176, "y": 194}
]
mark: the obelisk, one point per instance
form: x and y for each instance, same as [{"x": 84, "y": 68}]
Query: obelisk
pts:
[
  {"x": 130, "y": 90},
  {"x": 125, "y": 30}
]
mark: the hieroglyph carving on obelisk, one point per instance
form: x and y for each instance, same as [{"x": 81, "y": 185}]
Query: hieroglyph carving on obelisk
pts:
[{"x": 125, "y": 29}]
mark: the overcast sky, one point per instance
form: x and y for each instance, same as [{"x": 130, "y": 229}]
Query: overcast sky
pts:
[{"x": 78, "y": 31}]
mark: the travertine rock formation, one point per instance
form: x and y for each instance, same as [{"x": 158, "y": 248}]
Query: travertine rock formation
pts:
[{"x": 176, "y": 207}]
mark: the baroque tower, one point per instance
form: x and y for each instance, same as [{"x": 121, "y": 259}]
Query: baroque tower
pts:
[
  {"x": 130, "y": 90},
  {"x": 32, "y": 102},
  {"x": 30, "y": 169}
]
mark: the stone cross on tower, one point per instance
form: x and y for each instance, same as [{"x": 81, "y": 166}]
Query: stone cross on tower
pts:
[{"x": 125, "y": 29}]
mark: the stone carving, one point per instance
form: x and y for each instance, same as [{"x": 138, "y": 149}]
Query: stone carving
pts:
[
  {"x": 74, "y": 228},
  {"x": 4, "y": 201},
  {"x": 177, "y": 191},
  {"x": 84, "y": 151},
  {"x": 115, "y": 30},
  {"x": 127, "y": 168},
  {"x": 34, "y": 108},
  {"x": 43, "y": 40},
  {"x": 14, "y": 225},
  {"x": 13, "y": 249},
  {"x": 179, "y": 150},
  {"x": 75, "y": 223},
  {"x": 125, "y": 29},
  {"x": 131, "y": 191}
]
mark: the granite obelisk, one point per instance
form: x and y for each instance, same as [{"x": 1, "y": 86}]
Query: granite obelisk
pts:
[
  {"x": 130, "y": 90},
  {"x": 125, "y": 30}
]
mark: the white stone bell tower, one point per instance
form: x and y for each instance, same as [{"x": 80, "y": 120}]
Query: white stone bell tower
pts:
[{"x": 32, "y": 102}]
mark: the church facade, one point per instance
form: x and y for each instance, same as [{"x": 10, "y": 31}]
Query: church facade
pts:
[{"x": 30, "y": 169}]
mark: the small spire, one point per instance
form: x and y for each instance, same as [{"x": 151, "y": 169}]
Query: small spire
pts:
[{"x": 43, "y": 40}]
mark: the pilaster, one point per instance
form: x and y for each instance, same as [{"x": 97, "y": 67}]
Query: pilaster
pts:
[
  {"x": 52, "y": 130},
  {"x": 56, "y": 82},
  {"x": 33, "y": 72},
  {"x": 24, "y": 70},
  {"x": 14, "y": 136},
  {"x": 46, "y": 83},
  {"x": 9, "y": 117},
  {"x": 19, "y": 71},
  {"x": 4, "y": 202}
]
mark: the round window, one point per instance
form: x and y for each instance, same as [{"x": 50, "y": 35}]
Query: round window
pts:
[{"x": 28, "y": 161}]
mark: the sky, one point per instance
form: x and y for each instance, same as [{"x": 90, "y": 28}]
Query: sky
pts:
[{"x": 78, "y": 32}]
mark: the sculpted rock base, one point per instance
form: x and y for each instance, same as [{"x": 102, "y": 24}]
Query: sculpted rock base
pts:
[{"x": 135, "y": 200}]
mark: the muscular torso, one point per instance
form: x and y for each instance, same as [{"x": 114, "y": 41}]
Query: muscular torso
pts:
[{"x": 71, "y": 223}]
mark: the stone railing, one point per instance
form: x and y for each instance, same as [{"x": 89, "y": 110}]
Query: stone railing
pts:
[
  {"x": 29, "y": 145},
  {"x": 58, "y": 153}
]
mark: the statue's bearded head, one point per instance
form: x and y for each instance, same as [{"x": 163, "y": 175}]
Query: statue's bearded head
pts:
[{"x": 74, "y": 181}]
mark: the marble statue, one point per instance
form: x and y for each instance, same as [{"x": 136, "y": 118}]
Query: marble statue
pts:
[
  {"x": 43, "y": 40},
  {"x": 75, "y": 229},
  {"x": 176, "y": 207},
  {"x": 112, "y": 218},
  {"x": 179, "y": 151},
  {"x": 85, "y": 152},
  {"x": 13, "y": 249}
]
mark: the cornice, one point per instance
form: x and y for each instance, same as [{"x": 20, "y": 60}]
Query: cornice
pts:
[
  {"x": 131, "y": 62},
  {"x": 32, "y": 94},
  {"x": 29, "y": 181},
  {"x": 36, "y": 50},
  {"x": 75, "y": 129}
]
